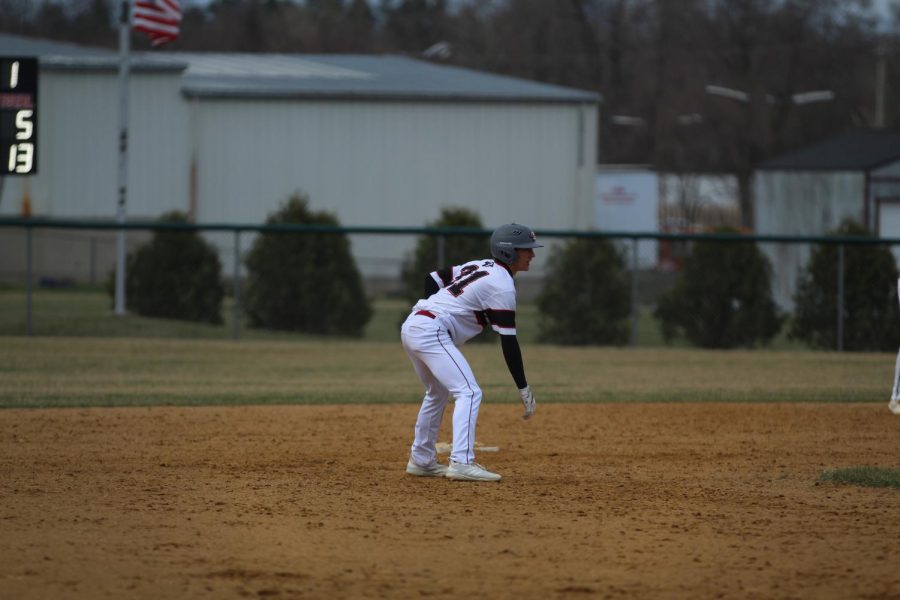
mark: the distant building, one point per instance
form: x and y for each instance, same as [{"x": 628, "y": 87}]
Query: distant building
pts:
[
  {"x": 376, "y": 140},
  {"x": 635, "y": 198},
  {"x": 627, "y": 200},
  {"x": 809, "y": 192}
]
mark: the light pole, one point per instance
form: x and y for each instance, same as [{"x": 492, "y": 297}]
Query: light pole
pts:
[
  {"x": 752, "y": 135},
  {"x": 798, "y": 98},
  {"x": 879, "y": 83}
]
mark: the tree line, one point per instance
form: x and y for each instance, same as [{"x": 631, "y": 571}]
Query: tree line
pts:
[{"x": 712, "y": 86}]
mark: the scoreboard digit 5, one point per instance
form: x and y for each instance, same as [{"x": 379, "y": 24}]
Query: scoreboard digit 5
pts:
[{"x": 18, "y": 115}]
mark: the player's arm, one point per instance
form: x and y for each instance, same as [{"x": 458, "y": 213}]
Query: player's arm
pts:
[
  {"x": 513, "y": 356},
  {"x": 503, "y": 320}
]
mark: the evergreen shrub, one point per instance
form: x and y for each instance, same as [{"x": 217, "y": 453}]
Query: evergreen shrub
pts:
[
  {"x": 176, "y": 275},
  {"x": 586, "y": 297},
  {"x": 722, "y": 298},
  {"x": 305, "y": 282},
  {"x": 871, "y": 313}
]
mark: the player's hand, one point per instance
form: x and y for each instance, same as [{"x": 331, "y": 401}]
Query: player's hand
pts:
[{"x": 528, "y": 401}]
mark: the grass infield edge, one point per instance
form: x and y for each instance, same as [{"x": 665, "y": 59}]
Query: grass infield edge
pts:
[{"x": 866, "y": 476}]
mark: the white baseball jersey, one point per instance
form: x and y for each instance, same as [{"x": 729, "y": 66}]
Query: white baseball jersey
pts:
[{"x": 473, "y": 296}]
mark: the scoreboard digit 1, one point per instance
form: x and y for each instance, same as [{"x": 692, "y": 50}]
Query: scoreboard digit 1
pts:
[{"x": 18, "y": 115}]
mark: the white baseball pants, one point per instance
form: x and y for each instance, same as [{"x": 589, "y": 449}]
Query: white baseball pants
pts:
[{"x": 443, "y": 371}]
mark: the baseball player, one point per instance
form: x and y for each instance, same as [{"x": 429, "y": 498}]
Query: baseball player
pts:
[{"x": 459, "y": 302}]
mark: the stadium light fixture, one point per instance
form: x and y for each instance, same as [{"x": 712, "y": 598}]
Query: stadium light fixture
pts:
[
  {"x": 799, "y": 98},
  {"x": 814, "y": 96},
  {"x": 689, "y": 119},
  {"x": 441, "y": 50},
  {"x": 627, "y": 121},
  {"x": 718, "y": 90}
]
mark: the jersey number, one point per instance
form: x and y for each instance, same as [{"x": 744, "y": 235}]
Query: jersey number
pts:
[{"x": 466, "y": 276}]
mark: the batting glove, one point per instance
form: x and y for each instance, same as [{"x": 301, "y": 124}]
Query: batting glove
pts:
[{"x": 528, "y": 401}]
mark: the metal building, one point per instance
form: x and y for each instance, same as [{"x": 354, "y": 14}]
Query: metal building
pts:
[
  {"x": 809, "y": 192},
  {"x": 376, "y": 140}
]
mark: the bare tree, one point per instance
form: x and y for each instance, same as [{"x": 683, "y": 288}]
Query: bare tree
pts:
[{"x": 414, "y": 25}]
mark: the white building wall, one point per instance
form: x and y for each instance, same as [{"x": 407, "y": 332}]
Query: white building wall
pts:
[
  {"x": 884, "y": 203},
  {"x": 884, "y": 196},
  {"x": 395, "y": 164},
  {"x": 78, "y": 130},
  {"x": 372, "y": 163},
  {"x": 807, "y": 203},
  {"x": 803, "y": 204},
  {"x": 159, "y": 149}
]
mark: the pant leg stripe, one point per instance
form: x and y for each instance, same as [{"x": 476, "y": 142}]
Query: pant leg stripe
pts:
[
  {"x": 895, "y": 393},
  {"x": 468, "y": 383}
]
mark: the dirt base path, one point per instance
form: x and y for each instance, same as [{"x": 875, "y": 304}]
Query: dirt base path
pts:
[{"x": 606, "y": 501}]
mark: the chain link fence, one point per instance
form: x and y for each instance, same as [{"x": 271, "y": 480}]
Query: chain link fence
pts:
[{"x": 41, "y": 254}]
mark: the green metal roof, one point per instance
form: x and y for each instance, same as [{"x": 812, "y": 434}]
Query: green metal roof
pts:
[
  {"x": 331, "y": 76},
  {"x": 858, "y": 150},
  {"x": 53, "y": 55},
  {"x": 355, "y": 76}
]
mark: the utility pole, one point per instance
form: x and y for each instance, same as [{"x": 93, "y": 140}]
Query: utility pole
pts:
[
  {"x": 880, "y": 54},
  {"x": 124, "y": 71}
]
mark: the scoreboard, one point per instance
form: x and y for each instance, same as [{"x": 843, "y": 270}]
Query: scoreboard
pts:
[{"x": 18, "y": 115}]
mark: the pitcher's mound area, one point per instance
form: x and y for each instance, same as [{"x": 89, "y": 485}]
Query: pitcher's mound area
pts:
[{"x": 597, "y": 501}]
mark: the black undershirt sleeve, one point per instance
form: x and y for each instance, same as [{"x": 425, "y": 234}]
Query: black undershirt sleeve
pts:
[
  {"x": 446, "y": 275},
  {"x": 513, "y": 355},
  {"x": 431, "y": 286}
]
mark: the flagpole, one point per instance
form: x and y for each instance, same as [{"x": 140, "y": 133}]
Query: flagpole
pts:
[{"x": 124, "y": 66}]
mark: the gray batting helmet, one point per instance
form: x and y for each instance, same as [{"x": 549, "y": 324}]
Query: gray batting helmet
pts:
[{"x": 507, "y": 238}]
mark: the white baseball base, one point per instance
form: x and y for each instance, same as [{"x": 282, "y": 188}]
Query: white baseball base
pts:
[{"x": 445, "y": 447}]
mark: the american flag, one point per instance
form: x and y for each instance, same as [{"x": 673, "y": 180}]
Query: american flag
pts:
[{"x": 159, "y": 19}]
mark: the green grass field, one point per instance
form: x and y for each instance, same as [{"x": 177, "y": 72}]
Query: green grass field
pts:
[
  {"x": 73, "y": 371},
  {"x": 80, "y": 354},
  {"x": 863, "y": 476},
  {"x": 88, "y": 313}
]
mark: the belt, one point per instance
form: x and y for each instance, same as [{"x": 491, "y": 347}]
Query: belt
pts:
[{"x": 426, "y": 313}]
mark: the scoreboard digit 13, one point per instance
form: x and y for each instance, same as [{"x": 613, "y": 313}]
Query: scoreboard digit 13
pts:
[{"x": 18, "y": 115}]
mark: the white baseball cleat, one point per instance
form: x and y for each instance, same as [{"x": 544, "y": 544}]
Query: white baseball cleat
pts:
[
  {"x": 435, "y": 469},
  {"x": 473, "y": 472},
  {"x": 894, "y": 407}
]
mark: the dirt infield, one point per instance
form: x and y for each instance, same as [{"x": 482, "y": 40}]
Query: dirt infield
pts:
[{"x": 606, "y": 501}]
